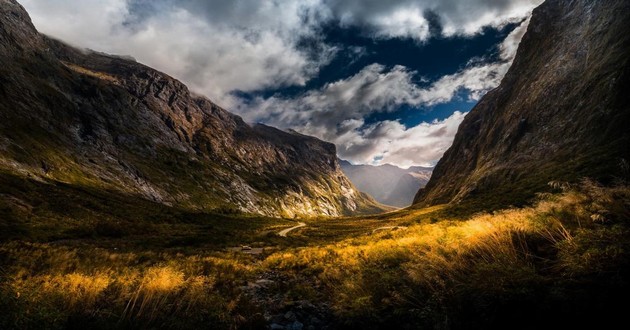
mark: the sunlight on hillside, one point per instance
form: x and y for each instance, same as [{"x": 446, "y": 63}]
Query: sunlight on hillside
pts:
[{"x": 427, "y": 269}]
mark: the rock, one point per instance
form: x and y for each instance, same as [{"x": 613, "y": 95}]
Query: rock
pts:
[
  {"x": 290, "y": 315},
  {"x": 561, "y": 112},
  {"x": 264, "y": 282},
  {"x": 305, "y": 304},
  {"x": 133, "y": 130},
  {"x": 278, "y": 318},
  {"x": 276, "y": 326},
  {"x": 296, "y": 326}
]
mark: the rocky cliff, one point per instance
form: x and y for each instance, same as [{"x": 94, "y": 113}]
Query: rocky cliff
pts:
[
  {"x": 562, "y": 111},
  {"x": 95, "y": 120}
]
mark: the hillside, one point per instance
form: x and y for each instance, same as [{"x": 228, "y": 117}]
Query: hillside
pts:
[
  {"x": 106, "y": 122},
  {"x": 122, "y": 197},
  {"x": 388, "y": 184},
  {"x": 561, "y": 112}
]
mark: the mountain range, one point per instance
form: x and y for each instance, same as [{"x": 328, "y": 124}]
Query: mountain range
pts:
[
  {"x": 560, "y": 114},
  {"x": 129, "y": 202},
  {"x": 88, "y": 119},
  {"x": 388, "y": 184}
]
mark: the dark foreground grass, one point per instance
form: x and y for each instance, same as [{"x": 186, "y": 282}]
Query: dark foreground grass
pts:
[{"x": 561, "y": 263}]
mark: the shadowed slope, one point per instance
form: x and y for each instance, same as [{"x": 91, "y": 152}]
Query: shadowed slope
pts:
[
  {"x": 107, "y": 122},
  {"x": 561, "y": 113}
]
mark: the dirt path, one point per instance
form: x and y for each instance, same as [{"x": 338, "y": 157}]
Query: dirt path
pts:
[
  {"x": 284, "y": 232},
  {"x": 388, "y": 227}
]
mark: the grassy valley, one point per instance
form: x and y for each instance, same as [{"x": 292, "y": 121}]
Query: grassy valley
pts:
[
  {"x": 129, "y": 202},
  {"x": 562, "y": 261}
]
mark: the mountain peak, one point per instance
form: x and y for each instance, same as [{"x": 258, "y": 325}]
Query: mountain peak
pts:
[
  {"x": 17, "y": 32},
  {"x": 109, "y": 123},
  {"x": 560, "y": 113},
  {"x": 388, "y": 184}
]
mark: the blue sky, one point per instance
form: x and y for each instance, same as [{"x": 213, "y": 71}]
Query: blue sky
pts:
[{"x": 386, "y": 81}]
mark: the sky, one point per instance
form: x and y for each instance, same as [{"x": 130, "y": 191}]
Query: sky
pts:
[{"x": 386, "y": 81}]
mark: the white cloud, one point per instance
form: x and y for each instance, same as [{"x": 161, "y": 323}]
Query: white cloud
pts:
[
  {"x": 247, "y": 47},
  {"x": 217, "y": 47},
  {"x": 391, "y": 142},
  {"x": 509, "y": 46},
  {"x": 337, "y": 111},
  {"x": 407, "y": 18},
  {"x": 470, "y": 17},
  {"x": 221, "y": 46},
  {"x": 402, "y": 23}
]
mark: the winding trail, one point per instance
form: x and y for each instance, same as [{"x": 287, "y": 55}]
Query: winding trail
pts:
[{"x": 284, "y": 232}]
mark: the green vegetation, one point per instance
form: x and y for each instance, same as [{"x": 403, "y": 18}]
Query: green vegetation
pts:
[{"x": 73, "y": 257}]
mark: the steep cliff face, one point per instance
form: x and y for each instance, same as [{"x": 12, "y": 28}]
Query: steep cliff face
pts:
[
  {"x": 92, "y": 119},
  {"x": 562, "y": 112}
]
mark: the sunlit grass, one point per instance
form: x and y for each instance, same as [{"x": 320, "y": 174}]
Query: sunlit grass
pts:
[
  {"x": 430, "y": 265},
  {"x": 431, "y": 274}
]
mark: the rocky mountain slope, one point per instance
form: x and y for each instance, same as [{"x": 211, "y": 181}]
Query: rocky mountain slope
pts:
[
  {"x": 69, "y": 116},
  {"x": 561, "y": 113},
  {"x": 388, "y": 184}
]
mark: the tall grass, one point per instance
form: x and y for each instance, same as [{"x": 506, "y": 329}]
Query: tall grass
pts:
[
  {"x": 484, "y": 270},
  {"x": 55, "y": 287},
  {"x": 563, "y": 259}
]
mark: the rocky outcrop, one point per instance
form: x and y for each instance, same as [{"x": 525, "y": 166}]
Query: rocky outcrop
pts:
[
  {"x": 562, "y": 111},
  {"x": 91, "y": 119}
]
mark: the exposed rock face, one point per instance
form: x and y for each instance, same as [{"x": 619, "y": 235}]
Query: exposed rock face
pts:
[
  {"x": 97, "y": 120},
  {"x": 388, "y": 184},
  {"x": 562, "y": 112}
]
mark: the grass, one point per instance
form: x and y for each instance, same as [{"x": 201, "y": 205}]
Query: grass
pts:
[{"x": 561, "y": 262}]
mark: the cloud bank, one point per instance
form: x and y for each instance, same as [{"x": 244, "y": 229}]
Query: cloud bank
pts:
[
  {"x": 337, "y": 111},
  {"x": 218, "y": 47}
]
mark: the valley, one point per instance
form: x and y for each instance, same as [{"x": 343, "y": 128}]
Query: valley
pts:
[
  {"x": 127, "y": 201},
  {"x": 176, "y": 269}
]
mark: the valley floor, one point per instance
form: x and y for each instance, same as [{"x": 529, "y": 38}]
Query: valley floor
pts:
[{"x": 563, "y": 262}]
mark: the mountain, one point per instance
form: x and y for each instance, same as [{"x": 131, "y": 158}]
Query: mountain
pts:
[
  {"x": 92, "y": 120},
  {"x": 561, "y": 113},
  {"x": 388, "y": 184}
]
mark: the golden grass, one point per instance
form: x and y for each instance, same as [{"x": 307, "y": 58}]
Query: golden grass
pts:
[
  {"x": 489, "y": 253},
  {"x": 425, "y": 268},
  {"x": 91, "y": 73}
]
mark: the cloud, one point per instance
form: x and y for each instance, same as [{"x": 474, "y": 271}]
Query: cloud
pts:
[
  {"x": 337, "y": 112},
  {"x": 222, "y": 46},
  {"x": 238, "y": 45},
  {"x": 420, "y": 145},
  {"x": 218, "y": 47},
  {"x": 408, "y": 18}
]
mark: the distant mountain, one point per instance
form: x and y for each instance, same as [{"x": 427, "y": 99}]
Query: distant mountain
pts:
[
  {"x": 91, "y": 120},
  {"x": 388, "y": 184},
  {"x": 561, "y": 113}
]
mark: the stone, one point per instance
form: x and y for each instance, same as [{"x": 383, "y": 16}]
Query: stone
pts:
[
  {"x": 121, "y": 118},
  {"x": 560, "y": 113},
  {"x": 289, "y": 315},
  {"x": 296, "y": 325}
]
